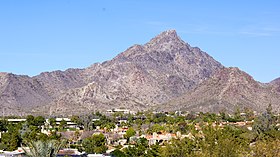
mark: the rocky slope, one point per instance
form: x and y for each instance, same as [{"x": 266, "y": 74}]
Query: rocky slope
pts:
[
  {"x": 57, "y": 82},
  {"x": 21, "y": 94},
  {"x": 141, "y": 77},
  {"x": 229, "y": 89},
  {"x": 275, "y": 84}
]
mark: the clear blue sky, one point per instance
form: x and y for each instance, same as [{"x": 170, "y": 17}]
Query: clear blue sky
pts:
[{"x": 37, "y": 36}]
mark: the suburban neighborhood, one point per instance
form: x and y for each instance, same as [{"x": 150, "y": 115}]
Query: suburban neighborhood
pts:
[{"x": 121, "y": 130}]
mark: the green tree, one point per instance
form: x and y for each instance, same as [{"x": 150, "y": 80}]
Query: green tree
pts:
[
  {"x": 95, "y": 144},
  {"x": 63, "y": 124},
  {"x": 52, "y": 122},
  {"x": 39, "y": 121},
  {"x": 268, "y": 148},
  {"x": 30, "y": 120},
  {"x": 11, "y": 139},
  {"x": 43, "y": 148},
  {"x": 30, "y": 132},
  {"x": 269, "y": 109},
  {"x": 3, "y": 125},
  {"x": 180, "y": 148},
  {"x": 156, "y": 128},
  {"x": 154, "y": 151},
  {"x": 54, "y": 136},
  {"x": 86, "y": 121},
  {"x": 129, "y": 133},
  {"x": 139, "y": 149},
  {"x": 249, "y": 113},
  {"x": 208, "y": 117},
  {"x": 172, "y": 120},
  {"x": 130, "y": 118},
  {"x": 109, "y": 125},
  {"x": 223, "y": 142},
  {"x": 118, "y": 114},
  {"x": 160, "y": 118},
  {"x": 237, "y": 114},
  {"x": 117, "y": 153},
  {"x": 265, "y": 123},
  {"x": 77, "y": 120},
  {"x": 105, "y": 122},
  {"x": 182, "y": 127}
]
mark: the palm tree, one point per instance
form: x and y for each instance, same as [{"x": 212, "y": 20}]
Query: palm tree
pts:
[{"x": 43, "y": 148}]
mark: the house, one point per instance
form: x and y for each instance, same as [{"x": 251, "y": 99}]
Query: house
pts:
[
  {"x": 69, "y": 123},
  {"x": 125, "y": 111},
  {"x": 71, "y": 153},
  {"x": 159, "y": 138},
  {"x": 16, "y": 120},
  {"x": 16, "y": 153},
  {"x": 98, "y": 155}
]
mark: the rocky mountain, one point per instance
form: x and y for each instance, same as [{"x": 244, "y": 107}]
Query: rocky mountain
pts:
[
  {"x": 275, "y": 84},
  {"x": 141, "y": 77},
  {"x": 57, "y": 82},
  {"x": 229, "y": 89},
  {"x": 20, "y": 94},
  {"x": 166, "y": 74}
]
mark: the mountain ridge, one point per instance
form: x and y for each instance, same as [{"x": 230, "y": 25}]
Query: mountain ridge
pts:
[
  {"x": 229, "y": 88},
  {"x": 142, "y": 77}
]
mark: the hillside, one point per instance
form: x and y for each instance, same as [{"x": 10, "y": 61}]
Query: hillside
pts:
[{"x": 228, "y": 89}]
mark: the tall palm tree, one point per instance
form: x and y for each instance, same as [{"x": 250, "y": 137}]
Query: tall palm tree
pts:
[{"x": 44, "y": 148}]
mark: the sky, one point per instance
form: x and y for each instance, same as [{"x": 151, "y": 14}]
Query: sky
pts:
[{"x": 47, "y": 35}]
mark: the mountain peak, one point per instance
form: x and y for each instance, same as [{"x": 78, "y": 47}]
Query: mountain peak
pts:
[
  {"x": 166, "y": 41},
  {"x": 166, "y": 37},
  {"x": 170, "y": 33}
]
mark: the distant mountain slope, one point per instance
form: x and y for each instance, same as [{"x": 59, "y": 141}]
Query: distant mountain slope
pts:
[
  {"x": 229, "y": 88},
  {"x": 20, "y": 94},
  {"x": 57, "y": 82},
  {"x": 142, "y": 77},
  {"x": 276, "y": 84}
]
